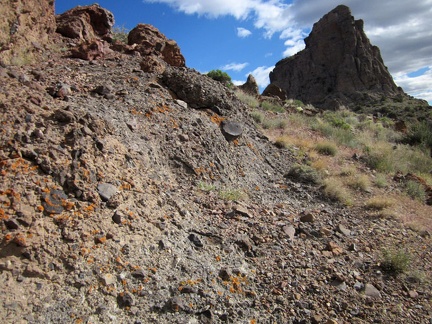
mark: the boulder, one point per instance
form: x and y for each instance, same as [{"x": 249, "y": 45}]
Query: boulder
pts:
[
  {"x": 250, "y": 87},
  {"x": 339, "y": 66},
  {"x": 272, "y": 90},
  {"x": 86, "y": 23},
  {"x": 150, "y": 41}
]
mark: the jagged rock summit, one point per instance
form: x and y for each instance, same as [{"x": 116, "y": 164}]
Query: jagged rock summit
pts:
[{"x": 339, "y": 66}]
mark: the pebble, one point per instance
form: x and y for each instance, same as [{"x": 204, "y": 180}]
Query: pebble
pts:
[
  {"x": 371, "y": 291},
  {"x": 307, "y": 218},
  {"x": 106, "y": 191}
]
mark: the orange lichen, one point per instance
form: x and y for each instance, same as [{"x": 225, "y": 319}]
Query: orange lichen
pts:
[
  {"x": 217, "y": 119},
  {"x": 218, "y": 258},
  {"x": 40, "y": 208}
]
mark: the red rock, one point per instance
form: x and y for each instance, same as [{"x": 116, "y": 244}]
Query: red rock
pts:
[
  {"x": 86, "y": 23},
  {"x": 149, "y": 40}
]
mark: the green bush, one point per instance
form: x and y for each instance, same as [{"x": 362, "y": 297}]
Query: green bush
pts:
[
  {"x": 395, "y": 261},
  {"x": 304, "y": 173},
  {"x": 120, "y": 34},
  {"x": 220, "y": 76},
  {"x": 326, "y": 148},
  {"x": 415, "y": 190}
]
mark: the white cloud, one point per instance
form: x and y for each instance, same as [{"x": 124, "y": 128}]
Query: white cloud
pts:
[
  {"x": 238, "y": 82},
  {"x": 234, "y": 66},
  {"x": 418, "y": 86},
  {"x": 243, "y": 32},
  {"x": 261, "y": 75}
]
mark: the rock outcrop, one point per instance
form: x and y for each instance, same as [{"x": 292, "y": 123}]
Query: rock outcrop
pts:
[
  {"x": 25, "y": 27},
  {"x": 250, "y": 87},
  {"x": 339, "y": 66},
  {"x": 150, "y": 41},
  {"x": 86, "y": 23}
]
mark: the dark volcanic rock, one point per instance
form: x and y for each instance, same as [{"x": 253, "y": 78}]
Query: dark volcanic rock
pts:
[
  {"x": 251, "y": 86},
  {"x": 339, "y": 66}
]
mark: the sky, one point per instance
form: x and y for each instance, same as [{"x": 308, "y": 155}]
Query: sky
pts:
[{"x": 243, "y": 37}]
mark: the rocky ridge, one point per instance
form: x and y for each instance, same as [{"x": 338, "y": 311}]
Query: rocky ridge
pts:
[{"x": 123, "y": 200}]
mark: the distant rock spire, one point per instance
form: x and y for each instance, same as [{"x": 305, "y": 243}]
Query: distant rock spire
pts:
[{"x": 339, "y": 66}]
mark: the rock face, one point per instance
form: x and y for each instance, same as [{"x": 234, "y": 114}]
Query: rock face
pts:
[
  {"x": 86, "y": 23},
  {"x": 150, "y": 41},
  {"x": 339, "y": 66},
  {"x": 21, "y": 39},
  {"x": 251, "y": 86}
]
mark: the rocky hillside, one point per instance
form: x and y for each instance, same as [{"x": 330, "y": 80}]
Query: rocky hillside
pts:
[
  {"x": 338, "y": 67},
  {"x": 136, "y": 190}
]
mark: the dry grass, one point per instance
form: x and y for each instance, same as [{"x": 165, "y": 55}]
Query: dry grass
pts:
[
  {"x": 379, "y": 203},
  {"x": 335, "y": 190},
  {"x": 353, "y": 181}
]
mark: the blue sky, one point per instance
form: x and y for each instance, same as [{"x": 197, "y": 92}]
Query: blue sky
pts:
[{"x": 250, "y": 36}]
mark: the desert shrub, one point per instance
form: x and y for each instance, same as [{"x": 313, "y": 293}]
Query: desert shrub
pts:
[
  {"x": 220, "y": 76},
  {"x": 269, "y": 106},
  {"x": 274, "y": 123},
  {"x": 247, "y": 99},
  {"x": 360, "y": 182},
  {"x": 120, "y": 34},
  {"x": 415, "y": 190},
  {"x": 420, "y": 133},
  {"x": 381, "y": 180},
  {"x": 395, "y": 261},
  {"x": 282, "y": 142},
  {"x": 379, "y": 203},
  {"x": 231, "y": 194},
  {"x": 326, "y": 148},
  {"x": 348, "y": 171},
  {"x": 204, "y": 186},
  {"x": 303, "y": 173},
  {"x": 257, "y": 116},
  {"x": 335, "y": 190}
]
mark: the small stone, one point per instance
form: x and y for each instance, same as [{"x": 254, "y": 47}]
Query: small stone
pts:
[
  {"x": 138, "y": 274},
  {"x": 117, "y": 217},
  {"x": 290, "y": 231},
  {"x": 181, "y": 103},
  {"x": 358, "y": 286},
  {"x": 307, "y": 218},
  {"x": 345, "y": 231},
  {"x": 132, "y": 124},
  {"x": 11, "y": 224},
  {"x": 125, "y": 299},
  {"x": 316, "y": 319},
  {"x": 54, "y": 201},
  {"x": 413, "y": 294},
  {"x": 242, "y": 210},
  {"x": 106, "y": 191},
  {"x": 108, "y": 279},
  {"x": 195, "y": 240},
  {"x": 371, "y": 291},
  {"x": 334, "y": 248},
  {"x": 325, "y": 231}
]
